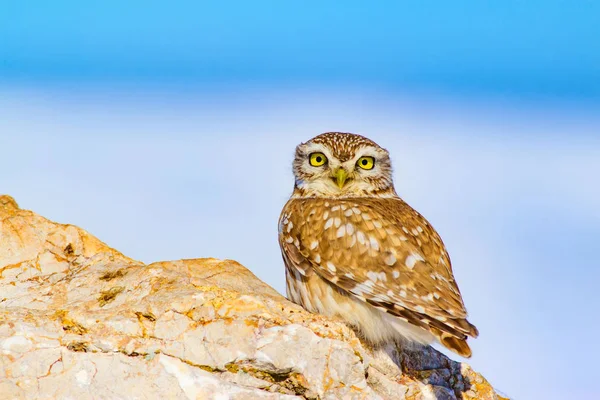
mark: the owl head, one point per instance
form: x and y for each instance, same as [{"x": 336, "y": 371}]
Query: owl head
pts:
[{"x": 336, "y": 164}]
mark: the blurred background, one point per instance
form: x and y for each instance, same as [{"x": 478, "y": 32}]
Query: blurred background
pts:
[{"x": 167, "y": 129}]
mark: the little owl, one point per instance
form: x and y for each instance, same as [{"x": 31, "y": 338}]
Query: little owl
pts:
[{"x": 354, "y": 249}]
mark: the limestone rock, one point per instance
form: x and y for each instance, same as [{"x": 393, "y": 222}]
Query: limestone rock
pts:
[{"x": 80, "y": 320}]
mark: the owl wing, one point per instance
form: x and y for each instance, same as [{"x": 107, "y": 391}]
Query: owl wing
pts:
[{"x": 381, "y": 251}]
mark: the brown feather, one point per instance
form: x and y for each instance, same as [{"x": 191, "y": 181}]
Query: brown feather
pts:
[{"x": 370, "y": 245}]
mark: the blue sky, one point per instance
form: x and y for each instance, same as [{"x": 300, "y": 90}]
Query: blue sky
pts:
[
  {"x": 139, "y": 121},
  {"x": 511, "y": 48}
]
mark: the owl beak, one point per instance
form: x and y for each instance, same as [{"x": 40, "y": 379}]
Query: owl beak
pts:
[{"x": 341, "y": 176}]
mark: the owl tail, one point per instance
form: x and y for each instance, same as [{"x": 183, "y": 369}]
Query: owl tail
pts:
[
  {"x": 457, "y": 345},
  {"x": 453, "y": 336}
]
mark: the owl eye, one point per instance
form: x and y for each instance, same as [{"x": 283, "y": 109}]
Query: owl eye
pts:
[
  {"x": 317, "y": 159},
  {"x": 366, "y": 162}
]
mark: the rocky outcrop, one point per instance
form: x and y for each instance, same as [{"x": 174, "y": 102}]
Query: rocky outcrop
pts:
[{"x": 80, "y": 320}]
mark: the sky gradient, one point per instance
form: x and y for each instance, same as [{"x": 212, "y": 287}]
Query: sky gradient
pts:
[
  {"x": 168, "y": 131},
  {"x": 512, "y": 48}
]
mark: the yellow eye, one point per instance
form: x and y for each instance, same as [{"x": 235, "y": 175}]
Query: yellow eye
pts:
[
  {"x": 317, "y": 159},
  {"x": 366, "y": 162}
]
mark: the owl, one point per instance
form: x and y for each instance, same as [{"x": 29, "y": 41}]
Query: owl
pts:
[{"x": 354, "y": 249}]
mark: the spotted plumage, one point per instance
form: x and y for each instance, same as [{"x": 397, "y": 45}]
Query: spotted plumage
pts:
[{"x": 354, "y": 249}]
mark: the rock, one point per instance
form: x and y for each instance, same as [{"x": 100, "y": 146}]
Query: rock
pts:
[{"x": 79, "y": 319}]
